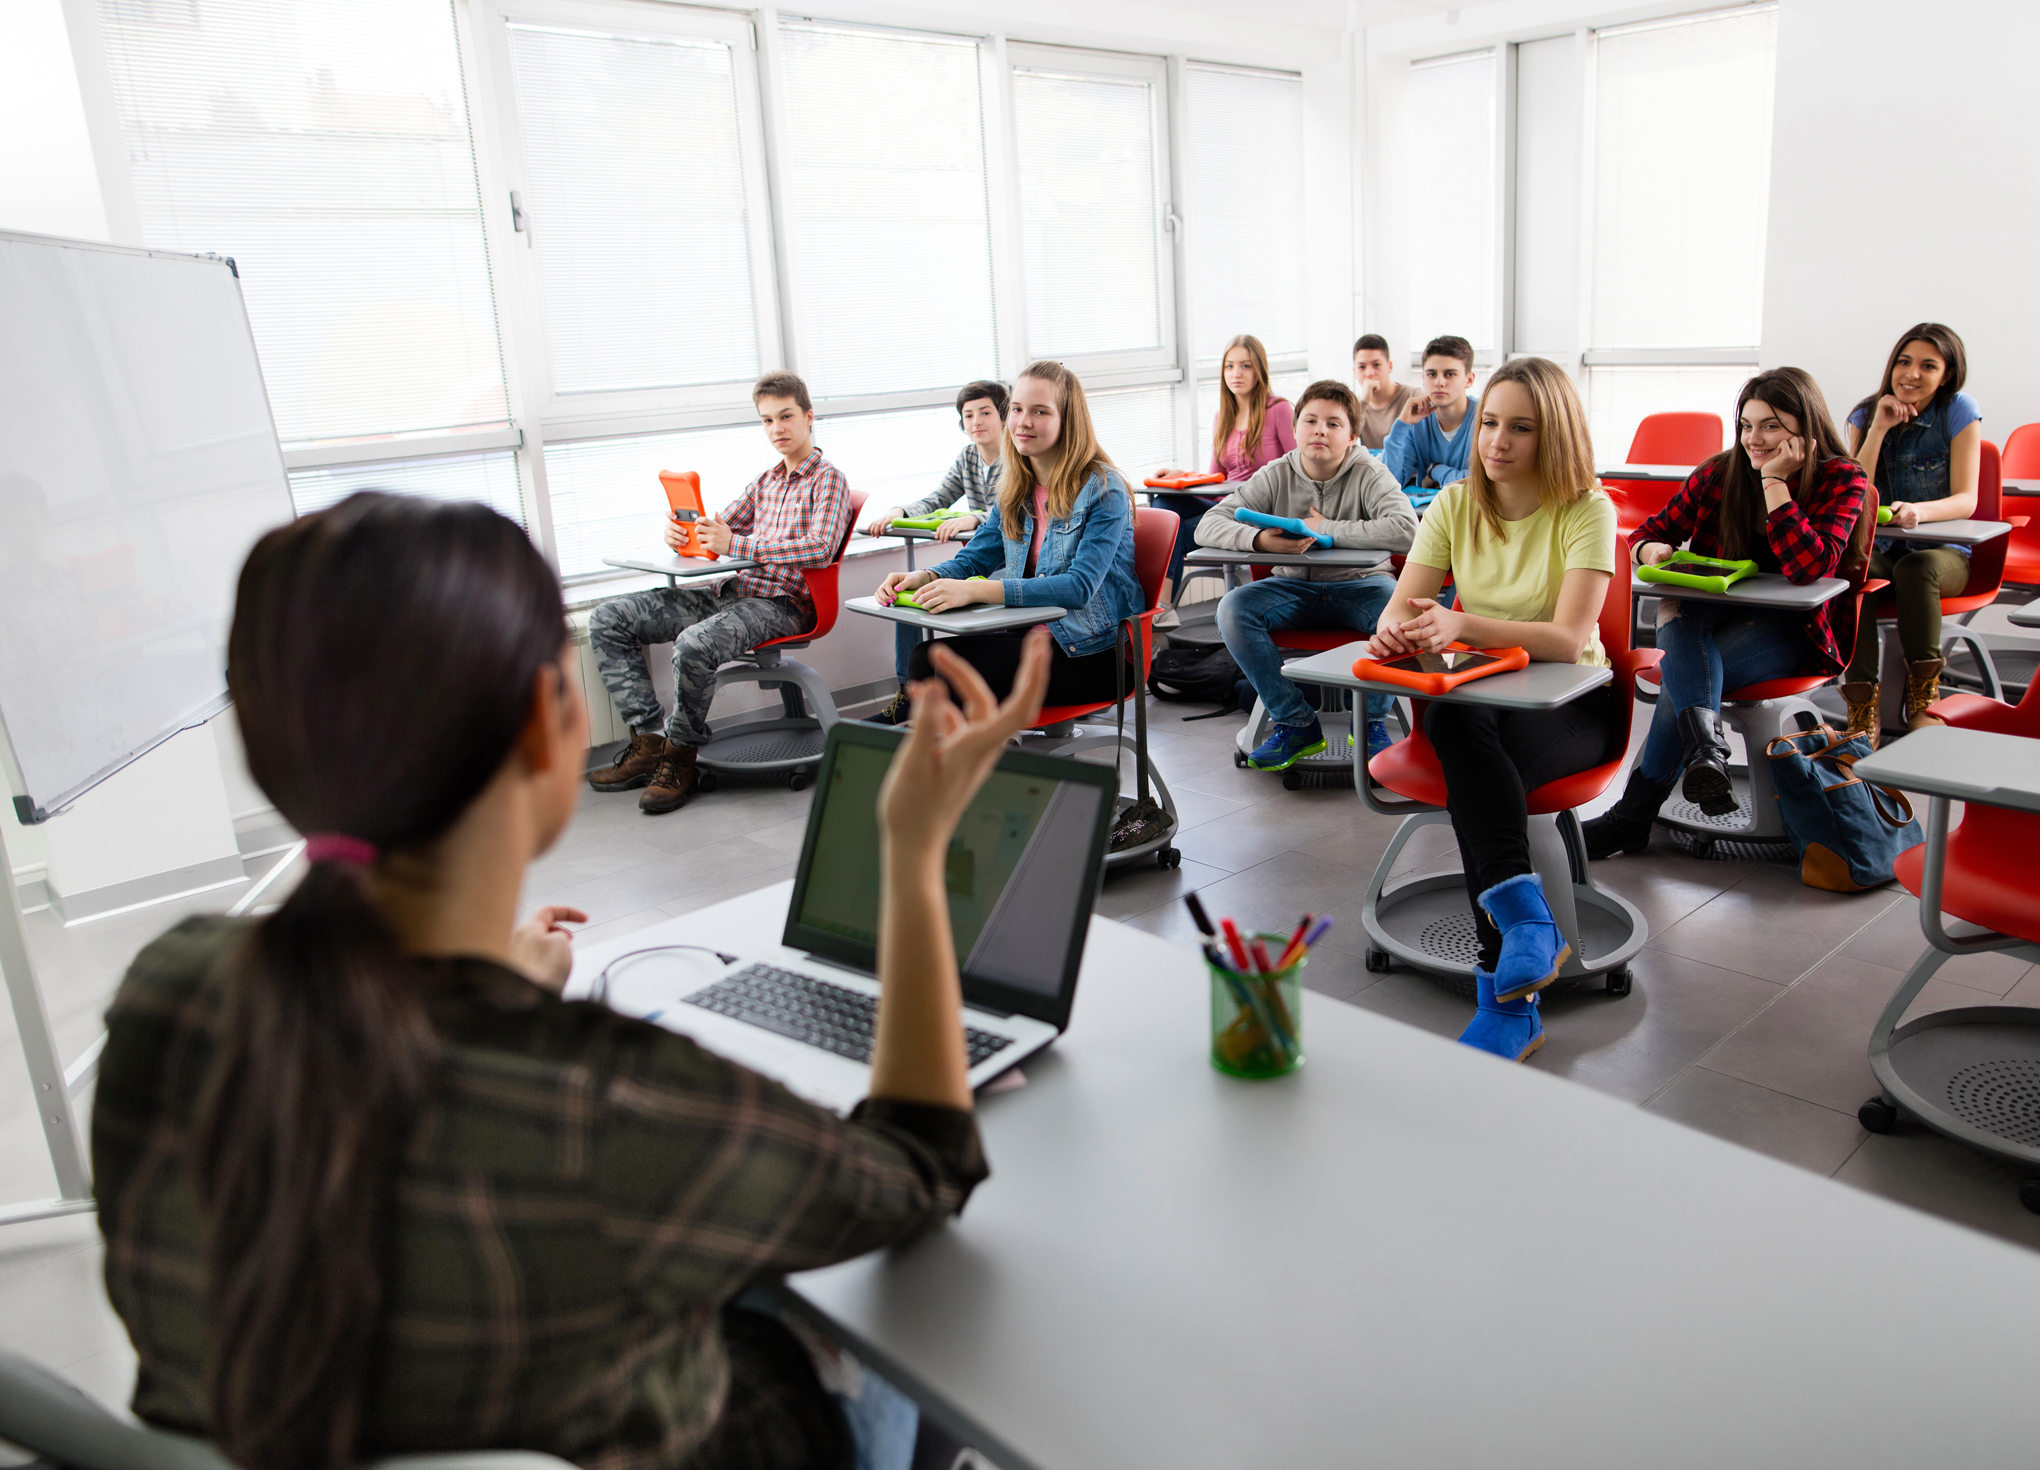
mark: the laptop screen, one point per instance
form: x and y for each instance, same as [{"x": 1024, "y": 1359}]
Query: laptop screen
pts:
[{"x": 1021, "y": 871}]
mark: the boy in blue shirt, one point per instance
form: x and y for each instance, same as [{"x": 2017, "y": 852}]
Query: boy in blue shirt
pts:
[{"x": 1431, "y": 442}]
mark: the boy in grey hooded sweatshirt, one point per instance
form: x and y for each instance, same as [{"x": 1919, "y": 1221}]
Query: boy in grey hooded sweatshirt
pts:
[{"x": 1331, "y": 483}]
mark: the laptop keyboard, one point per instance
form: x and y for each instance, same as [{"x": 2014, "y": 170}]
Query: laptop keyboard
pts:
[{"x": 833, "y": 1017}]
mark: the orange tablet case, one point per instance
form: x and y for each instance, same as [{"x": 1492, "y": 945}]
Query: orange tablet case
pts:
[
  {"x": 1183, "y": 482},
  {"x": 683, "y": 494},
  {"x": 1432, "y": 685}
]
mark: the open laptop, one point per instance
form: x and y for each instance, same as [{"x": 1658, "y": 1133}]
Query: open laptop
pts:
[{"x": 1023, "y": 872}]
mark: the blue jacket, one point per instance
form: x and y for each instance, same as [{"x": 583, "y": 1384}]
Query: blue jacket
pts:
[
  {"x": 1421, "y": 451},
  {"x": 1086, "y": 565}
]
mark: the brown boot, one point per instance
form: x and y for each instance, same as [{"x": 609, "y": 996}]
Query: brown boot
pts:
[
  {"x": 1865, "y": 703},
  {"x": 1922, "y": 688},
  {"x": 671, "y": 784},
  {"x": 633, "y": 765}
]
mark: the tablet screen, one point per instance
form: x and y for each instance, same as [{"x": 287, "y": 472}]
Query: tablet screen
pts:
[{"x": 1452, "y": 661}]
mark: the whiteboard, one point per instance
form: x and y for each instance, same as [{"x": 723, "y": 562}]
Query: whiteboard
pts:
[{"x": 138, "y": 464}]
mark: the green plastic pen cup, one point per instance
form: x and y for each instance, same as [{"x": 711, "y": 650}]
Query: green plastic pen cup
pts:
[{"x": 1257, "y": 1020}]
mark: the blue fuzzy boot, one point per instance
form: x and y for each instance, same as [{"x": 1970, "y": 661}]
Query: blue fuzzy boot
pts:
[
  {"x": 1532, "y": 947},
  {"x": 1511, "y": 1029}
]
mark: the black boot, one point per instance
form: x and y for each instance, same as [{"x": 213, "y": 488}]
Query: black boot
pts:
[
  {"x": 1706, "y": 782},
  {"x": 1625, "y": 826}
]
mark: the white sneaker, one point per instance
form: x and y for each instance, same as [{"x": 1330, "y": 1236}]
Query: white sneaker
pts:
[{"x": 1167, "y": 618}]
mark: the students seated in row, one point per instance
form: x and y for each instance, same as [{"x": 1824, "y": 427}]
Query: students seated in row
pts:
[
  {"x": 1431, "y": 442},
  {"x": 1529, "y": 540},
  {"x": 1789, "y": 498},
  {"x": 973, "y": 479},
  {"x": 1381, "y": 396},
  {"x": 1922, "y": 436},
  {"x": 368, "y": 1185},
  {"x": 1331, "y": 483},
  {"x": 795, "y": 515},
  {"x": 1252, "y": 429},
  {"x": 1062, "y": 537}
]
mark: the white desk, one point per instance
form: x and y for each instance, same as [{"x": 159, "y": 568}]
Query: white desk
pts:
[
  {"x": 1679, "y": 472},
  {"x": 1760, "y": 589},
  {"x": 1540, "y": 686},
  {"x": 1230, "y": 561},
  {"x": 912, "y": 534},
  {"x": 981, "y": 618},
  {"x": 2019, "y": 487},
  {"x": 677, "y": 569},
  {"x": 2025, "y": 617},
  {"x": 1952, "y": 533},
  {"x": 1961, "y": 765},
  {"x": 1406, "y": 1254}
]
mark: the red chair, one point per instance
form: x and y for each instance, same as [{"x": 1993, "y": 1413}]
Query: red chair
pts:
[
  {"x": 1154, "y": 534},
  {"x": 1986, "y": 872},
  {"x": 2021, "y": 461},
  {"x": 1662, "y": 438},
  {"x": 1604, "y": 929},
  {"x": 793, "y": 742}
]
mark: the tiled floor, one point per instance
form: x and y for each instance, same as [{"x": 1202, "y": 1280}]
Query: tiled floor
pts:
[{"x": 1752, "y": 1007}]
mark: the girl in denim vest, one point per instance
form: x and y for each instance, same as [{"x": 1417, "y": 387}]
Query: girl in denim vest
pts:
[
  {"x": 1921, "y": 437},
  {"x": 1062, "y": 536}
]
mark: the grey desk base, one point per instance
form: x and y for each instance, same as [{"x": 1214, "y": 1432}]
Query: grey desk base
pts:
[{"x": 1404, "y": 1254}]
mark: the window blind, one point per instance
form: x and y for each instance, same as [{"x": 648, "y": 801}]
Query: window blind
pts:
[
  {"x": 324, "y": 144},
  {"x": 1449, "y": 199},
  {"x": 635, "y": 191},
  {"x": 886, "y": 210},
  {"x": 606, "y": 496},
  {"x": 1619, "y": 397},
  {"x": 892, "y": 457},
  {"x": 1244, "y": 198},
  {"x": 1090, "y": 213},
  {"x": 1137, "y": 429},
  {"x": 1682, "y": 178},
  {"x": 490, "y": 478}
]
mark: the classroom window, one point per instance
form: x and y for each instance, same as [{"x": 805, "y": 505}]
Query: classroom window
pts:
[
  {"x": 1447, "y": 185},
  {"x": 1137, "y": 429},
  {"x": 606, "y": 496},
  {"x": 1619, "y": 397},
  {"x": 636, "y": 206},
  {"x": 887, "y": 216},
  {"x": 1097, "y": 275},
  {"x": 1682, "y": 177},
  {"x": 491, "y": 479},
  {"x": 325, "y": 146},
  {"x": 892, "y": 457},
  {"x": 1244, "y": 175}
]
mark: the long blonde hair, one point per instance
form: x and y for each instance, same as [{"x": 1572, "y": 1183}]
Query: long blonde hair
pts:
[
  {"x": 1229, "y": 406},
  {"x": 1077, "y": 453},
  {"x": 1565, "y": 450}
]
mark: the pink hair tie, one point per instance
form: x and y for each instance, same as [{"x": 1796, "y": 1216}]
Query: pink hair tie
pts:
[{"x": 338, "y": 847}]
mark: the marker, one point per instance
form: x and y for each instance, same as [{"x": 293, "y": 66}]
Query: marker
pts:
[
  {"x": 1295, "y": 939},
  {"x": 1261, "y": 958},
  {"x": 1198, "y": 916},
  {"x": 1233, "y": 943}
]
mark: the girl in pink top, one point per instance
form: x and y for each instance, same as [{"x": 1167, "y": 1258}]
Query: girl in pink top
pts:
[{"x": 1247, "y": 415}]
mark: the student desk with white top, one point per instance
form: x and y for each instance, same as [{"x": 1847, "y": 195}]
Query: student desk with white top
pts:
[
  {"x": 1679, "y": 472},
  {"x": 1952, "y": 533},
  {"x": 1426, "y": 922},
  {"x": 912, "y": 534},
  {"x": 677, "y": 569},
  {"x": 1405, "y": 1254},
  {"x": 1759, "y": 589},
  {"x": 2019, "y": 487},
  {"x": 2025, "y": 617},
  {"x": 977, "y": 618},
  {"x": 1230, "y": 562}
]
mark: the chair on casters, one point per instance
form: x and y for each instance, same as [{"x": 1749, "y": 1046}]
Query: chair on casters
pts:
[
  {"x": 1154, "y": 533},
  {"x": 794, "y": 742},
  {"x": 1965, "y": 1072},
  {"x": 1764, "y": 711},
  {"x": 1426, "y": 922},
  {"x": 51, "y": 1417},
  {"x": 2004, "y": 673}
]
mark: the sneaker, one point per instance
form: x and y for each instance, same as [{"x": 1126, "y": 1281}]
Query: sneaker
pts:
[
  {"x": 672, "y": 782},
  {"x": 1378, "y": 738},
  {"x": 898, "y": 710},
  {"x": 1286, "y": 745},
  {"x": 1167, "y": 618},
  {"x": 633, "y": 766}
]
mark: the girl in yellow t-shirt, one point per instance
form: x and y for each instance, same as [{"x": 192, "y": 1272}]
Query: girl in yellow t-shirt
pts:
[{"x": 1529, "y": 542}]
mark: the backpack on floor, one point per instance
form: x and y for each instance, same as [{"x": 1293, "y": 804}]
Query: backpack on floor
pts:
[
  {"x": 1196, "y": 676},
  {"x": 1848, "y": 832}
]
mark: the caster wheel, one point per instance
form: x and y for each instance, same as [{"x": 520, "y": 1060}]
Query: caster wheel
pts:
[
  {"x": 1704, "y": 848},
  {"x": 1168, "y": 858},
  {"x": 2029, "y": 1195},
  {"x": 1292, "y": 780},
  {"x": 1239, "y": 761},
  {"x": 706, "y": 781},
  {"x": 1880, "y": 1116},
  {"x": 1377, "y": 961},
  {"x": 1620, "y": 982},
  {"x": 798, "y": 781}
]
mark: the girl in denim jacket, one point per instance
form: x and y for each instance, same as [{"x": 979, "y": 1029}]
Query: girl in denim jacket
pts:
[
  {"x": 1062, "y": 537},
  {"x": 1921, "y": 437}
]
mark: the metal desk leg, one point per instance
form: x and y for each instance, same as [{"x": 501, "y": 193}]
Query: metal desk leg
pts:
[{"x": 46, "y": 1076}]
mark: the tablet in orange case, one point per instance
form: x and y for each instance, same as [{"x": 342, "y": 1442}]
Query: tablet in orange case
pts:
[
  {"x": 683, "y": 494},
  {"x": 1427, "y": 675},
  {"x": 1182, "y": 482}
]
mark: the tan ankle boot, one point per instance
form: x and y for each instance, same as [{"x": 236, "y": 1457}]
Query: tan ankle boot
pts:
[
  {"x": 671, "y": 783},
  {"x": 633, "y": 765},
  {"x": 1864, "y": 701},
  {"x": 1922, "y": 688}
]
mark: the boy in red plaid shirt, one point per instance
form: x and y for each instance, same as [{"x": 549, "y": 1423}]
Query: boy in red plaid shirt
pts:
[{"x": 795, "y": 515}]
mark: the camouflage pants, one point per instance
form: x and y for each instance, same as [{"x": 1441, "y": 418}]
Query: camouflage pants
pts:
[{"x": 706, "y": 628}]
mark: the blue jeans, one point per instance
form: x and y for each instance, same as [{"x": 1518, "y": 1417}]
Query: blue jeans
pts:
[
  {"x": 1709, "y": 647},
  {"x": 1190, "y": 510},
  {"x": 904, "y": 637},
  {"x": 1248, "y": 615}
]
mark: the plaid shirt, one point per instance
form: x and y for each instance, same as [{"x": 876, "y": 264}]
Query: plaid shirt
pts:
[
  {"x": 579, "y": 1199},
  {"x": 1809, "y": 541},
  {"x": 789, "y": 520},
  {"x": 970, "y": 477}
]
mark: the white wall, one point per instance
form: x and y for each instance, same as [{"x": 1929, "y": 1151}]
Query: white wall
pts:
[
  {"x": 48, "y": 184},
  {"x": 1902, "y": 190}
]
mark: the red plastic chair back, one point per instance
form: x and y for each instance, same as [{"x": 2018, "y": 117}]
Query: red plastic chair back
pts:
[
  {"x": 1154, "y": 536},
  {"x": 823, "y": 585},
  {"x": 2021, "y": 461},
  {"x": 1662, "y": 438},
  {"x": 2021, "y": 454}
]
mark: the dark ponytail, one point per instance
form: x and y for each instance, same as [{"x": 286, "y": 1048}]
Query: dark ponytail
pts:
[{"x": 382, "y": 661}]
